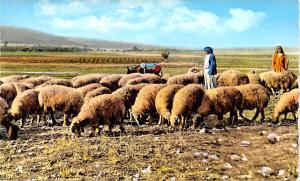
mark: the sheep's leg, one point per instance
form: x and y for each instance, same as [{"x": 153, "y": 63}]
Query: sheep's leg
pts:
[
  {"x": 262, "y": 120},
  {"x": 160, "y": 122},
  {"x": 183, "y": 123},
  {"x": 66, "y": 120},
  {"x": 122, "y": 127},
  {"x": 39, "y": 119},
  {"x": 285, "y": 115},
  {"x": 110, "y": 127},
  {"x": 242, "y": 116},
  {"x": 23, "y": 121},
  {"x": 33, "y": 120},
  {"x": 52, "y": 118},
  {"x": 45, "y": 118},
  {"x": 256, "y": 114},
  {"x": 93, "y": 128},
  {"x": 295, "y": 118}
]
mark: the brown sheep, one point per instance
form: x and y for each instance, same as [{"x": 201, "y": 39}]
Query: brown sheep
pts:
[
  {"x": 37, "y": 80},
  {"x": 253, "y": 78},
  {"x": 128, "y": 95},
  {"x": 87, "y": 88},
  {"x": 8, "y": 92},
  {"x": 220, "y": 101},
  {"x": 185, "y": 79},
  {"x": 144, "y": 104},
  {"x": 96, "y": 92},
  {"x": 122, "y": 82},
  {"x": 194, "y": 70},
  {"x": 147, "y": 78},
  {"x": 232, "y": 78},
  {"x": 22, "y": 86},
  {"x": 101, "y": 110},
  {"x": 12, "y": 129},
  {"x": 275, "y": 81},
  {"x": 289, "y": 102},
  {"x": 25, "y": 104},
  {"x": 164, "y": 102},
  {"x": 57, "y": 81},
  {"x": 86, "y": 79},
  {"x": 185, "y": 102},
  {"x": 111, "y": 81},
  {"x": 255, "y": 96},
  {"x": 13, "y": 78},
  {"x": 60, "y": 98}
]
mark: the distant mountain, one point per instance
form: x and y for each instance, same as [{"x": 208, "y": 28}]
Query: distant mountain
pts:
[{"x": 16, "y": 35}]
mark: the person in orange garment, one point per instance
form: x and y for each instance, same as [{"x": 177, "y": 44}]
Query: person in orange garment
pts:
[{"x": 279, "y": 60}]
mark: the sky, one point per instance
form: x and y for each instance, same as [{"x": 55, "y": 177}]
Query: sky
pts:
[{"x": 176, "y": 23}]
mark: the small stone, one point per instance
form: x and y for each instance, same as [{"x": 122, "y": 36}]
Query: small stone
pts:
[
  {"x": 19, "y": 150},
  {"x": 238, "y": 128},
  {"x": 197, "y": 154},
  {"x": 227, "y": 166},
  {"x": 30, "y": 153},
  {"x": 19, "y": 169},
  {"x": 225, "y": 177},
  {"x": 244, "y": 158},
  {"x": 172, "y": 178},
  {"x": 265, "y": 171},
  {"x": 202, "y": 131},
  {"x": 205, "y": 154},
  {"x": 178, "y": 151},
  {"x": 204, "y": 160},
  {"x": 235, "y": 157},
  {"x": 263, "y": 133},
  {"x": 245, "y": 143},
  {"x": 280, "y": 173},
  {"x": 34, "y": 168},
  {"x": 136, "y": 177},
  {"x": 54, "y": 175},
  {"x": 214, "y": 157},
  {"x": 147, "y": 170},
  {"x": 245, "y": 176},
  {"x": 156, "y": 138},
  {"x": 273, "y": 138}
]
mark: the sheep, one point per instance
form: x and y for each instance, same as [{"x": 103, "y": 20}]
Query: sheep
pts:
[
  {"x": 253, "y": 78},
  {"x": 111, "y": 81},
  {"x": 288, "y": 102},
  {"x": 164, "y": 101},
  {"x": 185, "y": 79},
  {"x": 232, "y": 78},
  {"x": 87, "y": 88},
  {"x": 194, "y": 70},
  {"x": 60, "y": 98},
  {"x": 185, "y": 102},
  {"x": 13, "y": 78},
  {"x": 57, "y": 81},
  {"x": 147, "y": 78},
  {"x": 255, "y": 96},
  {"x": 122, "y": 82},
  {"x": 12, "y": 129},
  {"x": 37, "y": 80},
  {"x": 144, "y": 104},
  {"x": 128, "y": 95},
  {"x": 25, "y": 104},
  {"x": 275, "y": 81},
  {"x": 219, "y": 101},
  {"x": 86, "y": 79},
  {"x": 8, "y": 92},
  {"x": 22, "y": 86},
  {"x": 96, "y": 92},
  {"x": 101, "y": 110}
]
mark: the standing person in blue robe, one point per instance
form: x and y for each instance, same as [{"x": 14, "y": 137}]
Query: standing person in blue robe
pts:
[{"x": 210, "y": 68}]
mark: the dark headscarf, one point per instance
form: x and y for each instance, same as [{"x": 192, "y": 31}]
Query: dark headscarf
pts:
[{"x": 209, "y": 50}]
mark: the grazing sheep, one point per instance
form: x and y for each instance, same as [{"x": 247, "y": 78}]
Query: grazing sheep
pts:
[
  {"x": 13, "y": 78},
  {"x": 147, "y": 78},
  {"x": 122, "y": 82},
  {"x": 128, "y": 95},
  {"x": 144, "y": 104},
  {"x": 253, "y": 78},
  {"x": 96, "y": 92},
  {"x": 12, "y": 129},
  {"x": 87, "y": 88},
  {"x": 22, "y": 86},
  {"x": 194, "y": 70},
  {"x": 60, "y": 98},
  {"x": 185, "y": 79},
  {"x": 275, "y": 81},
  {"x": 25, "y": 104},
  {"x": 220, "y": 101},
  {"x": 164, "y": 101},
  {"x": 37, "y": 80},
  {"x": 101, "y": 110},
  {"x": 289, "y": 102},
  {"x": 111, "y": 81},
  {"x": 57, "y": 81},
  {"x": 185, "y": 102},
  {"x": 255, "y": 96},
  {"x": 86, "y": 79},
  {"x": 8, "y": 92},
  {"x": 232, "y": 78}
]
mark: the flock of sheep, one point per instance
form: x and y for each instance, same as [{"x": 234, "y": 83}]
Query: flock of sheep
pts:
[{"x": 179, "y": 101}]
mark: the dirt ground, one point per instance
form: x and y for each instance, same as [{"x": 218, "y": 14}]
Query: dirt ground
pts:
[{"x": 152, "y": 153}]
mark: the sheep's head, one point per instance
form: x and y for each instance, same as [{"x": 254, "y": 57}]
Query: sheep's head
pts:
[
  {"x": 275, "y": 117},
  {"x": 174, "y": 120},
  {"x": 13, "y": 132},
  {"x": 76, "y": 129},
  {"x": 139, "y": 118}
]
